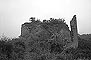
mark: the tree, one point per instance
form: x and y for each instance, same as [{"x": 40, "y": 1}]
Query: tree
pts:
[{"x": 32, "y": 19}]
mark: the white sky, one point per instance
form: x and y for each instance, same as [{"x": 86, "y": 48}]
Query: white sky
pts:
[{"x": 15, "y": 12}]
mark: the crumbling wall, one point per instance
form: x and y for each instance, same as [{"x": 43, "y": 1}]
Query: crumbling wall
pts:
[
  {"x": 55, "y": 33},
  {"x": 24, "y": 31},
  {"x": 74, "y": 32}
]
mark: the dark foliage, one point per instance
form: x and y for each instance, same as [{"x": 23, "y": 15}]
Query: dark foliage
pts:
[
  {"x": 11, "y": 50},
  {"x": 19, "y": 49},
  {"x": 6, "y": 49},
  {"x": 41, "y": 58},
  {"x": 83, "y": 50},
  {"x": 56, "y": 48}
]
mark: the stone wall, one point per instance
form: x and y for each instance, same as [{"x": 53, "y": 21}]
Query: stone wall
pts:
[
  {"x": 49, "y": 34},
  {"x": 35, "y": 29},
  {"x": 74, "y": 32}
]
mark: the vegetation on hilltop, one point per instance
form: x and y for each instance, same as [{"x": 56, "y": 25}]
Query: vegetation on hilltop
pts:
[{"x": 46, "y": 49}]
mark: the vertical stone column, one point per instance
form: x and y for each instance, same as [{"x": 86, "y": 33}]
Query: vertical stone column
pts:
[{"x": 74, "y": 32}]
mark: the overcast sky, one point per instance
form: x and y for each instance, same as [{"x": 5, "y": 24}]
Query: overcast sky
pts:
[{"x": 15, "y": 12}]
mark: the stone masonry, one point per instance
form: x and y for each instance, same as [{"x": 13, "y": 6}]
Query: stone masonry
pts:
[
  {"x": 74, "y": 32},
  {"x": 54, "y": 30}
]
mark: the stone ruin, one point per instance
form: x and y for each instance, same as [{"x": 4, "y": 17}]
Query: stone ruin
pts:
[
  {"x": 31, "y": 29},
  {"x": 74, "y": 31},
  {"x": 55, "y": 30},
  {"x": 47, "y": 40}
]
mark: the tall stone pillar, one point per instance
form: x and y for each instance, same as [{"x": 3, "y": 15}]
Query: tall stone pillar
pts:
[{"x": 74, "y": 32}]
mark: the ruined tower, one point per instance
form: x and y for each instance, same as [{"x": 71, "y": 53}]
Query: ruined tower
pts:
[{"x": 74, "y": 32}]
